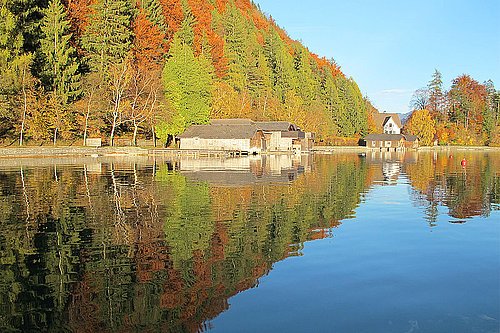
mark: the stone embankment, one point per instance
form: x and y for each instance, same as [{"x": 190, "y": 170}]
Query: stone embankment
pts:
[{"x": 69, "y": 151}]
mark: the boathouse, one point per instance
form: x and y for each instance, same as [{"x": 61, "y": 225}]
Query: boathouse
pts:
[
  {"x": 245, "y": 135},
  {"x": 412, "y": 141},
  {"x": 240, "y": 135},
  {"x": 385, "y": 141}
]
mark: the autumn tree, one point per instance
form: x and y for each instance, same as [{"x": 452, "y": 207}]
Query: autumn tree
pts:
[
  {"x": 107, "y": 42},
  {"x": 145, "y": 84},
  {"x": 422, "y": 125},
  {"x": 467, "y": 101}
]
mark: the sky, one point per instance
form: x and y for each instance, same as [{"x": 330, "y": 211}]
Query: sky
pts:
[{"x": 391, "y": 48}]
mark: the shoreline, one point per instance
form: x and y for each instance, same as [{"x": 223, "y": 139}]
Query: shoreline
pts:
[{"x": 52, "y": 152}]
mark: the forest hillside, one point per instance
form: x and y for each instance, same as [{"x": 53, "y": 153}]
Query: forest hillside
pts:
[{"x": 149, "y": 68}]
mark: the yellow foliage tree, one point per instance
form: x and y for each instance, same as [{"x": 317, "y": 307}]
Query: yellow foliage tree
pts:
[{"x": 422, "y": 125}]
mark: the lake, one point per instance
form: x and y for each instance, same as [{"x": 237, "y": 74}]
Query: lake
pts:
[{"x": 343, "y": 242}]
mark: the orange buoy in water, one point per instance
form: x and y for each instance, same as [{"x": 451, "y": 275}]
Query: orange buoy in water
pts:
[{"x": 464, "y": 163}]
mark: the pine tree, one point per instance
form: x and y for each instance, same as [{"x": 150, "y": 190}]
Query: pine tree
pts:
[
  {"x": 12, "y": 58},
  {"x": 15, "y": 66},
  {"x": 107, "y": 40},
  {"x": 154, "y": 13},
  {"x": 436, "y": 98},
  {"x": 186, "y": 32},
  {"x": 60, "y": 73},
  {"x": 188, "y": 82}
]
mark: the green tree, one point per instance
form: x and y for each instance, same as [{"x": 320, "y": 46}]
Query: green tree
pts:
[
  {"x": 281, "y": 64},
  {"x": 188, "y": 83},
  {"x": 108, "y": 38},
  {"x": 14, "y": 67},
  {"x": 60, "y": 73},
  {"x": 154, "y": 13},
  {"x": 436, "y": 97}
]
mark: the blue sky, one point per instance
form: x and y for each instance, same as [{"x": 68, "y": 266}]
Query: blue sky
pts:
[{"x": 391, "y": 48}]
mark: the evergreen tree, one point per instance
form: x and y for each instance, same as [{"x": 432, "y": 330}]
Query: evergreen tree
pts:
[
  {"x": 186, "y": 32},
  {"x": 107, "y": 39},
  {"x": 154, "y": 13},
  {"x": 15, "y": 78},
  {"x": 281, "y": 64},
  {"x": 60, "y": 73},
  {"x": 188, "y": 82},
  {"x": 436, "y": 98}
]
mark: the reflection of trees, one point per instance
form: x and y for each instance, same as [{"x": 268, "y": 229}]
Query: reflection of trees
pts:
[
  {"x": 439, "y": 180},
  {"x": 136, "y": 247}
]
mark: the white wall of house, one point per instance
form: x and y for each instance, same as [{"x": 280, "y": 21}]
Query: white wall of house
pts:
[
  {"x": 215, "y": 144},
  {"x": 391, "y": 127},
  {"x": 277, "y": 143},
  {"x": 274, "y": 141}
]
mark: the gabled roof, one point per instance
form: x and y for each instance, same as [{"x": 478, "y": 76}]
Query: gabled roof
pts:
[
  {"x": 384, "y": 137},
  {"x": 238, "y": 129},
  {"x": 411, "y": 138},
  {"x": 381, "y": 119},
  {"x": 276, "y": 126},
  {"x": 218, "y": 131}
]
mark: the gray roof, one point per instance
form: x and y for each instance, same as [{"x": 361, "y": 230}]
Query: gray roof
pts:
[
  {"x": 236, "y": 129},
  {"x": 275, "y": 126},
  {"x": 411, "y": 138},
  {"x": 220, "y": 131},
  {"x": 384, "y": 137}
]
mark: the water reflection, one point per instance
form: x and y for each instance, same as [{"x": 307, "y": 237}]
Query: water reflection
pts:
[
  {"x": 244, "y": 171},
  {"x": 157, "y": 245}
]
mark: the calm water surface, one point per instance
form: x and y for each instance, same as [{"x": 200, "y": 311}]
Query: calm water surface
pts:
[{"x": 325, "y": 243}]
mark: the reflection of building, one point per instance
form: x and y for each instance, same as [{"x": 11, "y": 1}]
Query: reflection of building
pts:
[
  {"x": 390, "y": 164},
  {"x": 246, "y": 135},
  {"x": 249, "y": 170}
]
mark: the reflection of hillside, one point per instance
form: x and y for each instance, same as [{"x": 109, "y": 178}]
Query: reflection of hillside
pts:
[
  {"x": 122, "y": 247},
  {"x": 244, "y": 171}
]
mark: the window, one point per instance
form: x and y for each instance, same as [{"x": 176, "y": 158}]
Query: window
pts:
[
  {"x": 388, "y": 143},
  {"x": 373, "y": 143}
]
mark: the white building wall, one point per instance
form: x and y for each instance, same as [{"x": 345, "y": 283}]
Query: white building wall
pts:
[
  {"x": 391, "y": 128},
  {"x": 215, "y": 144}
]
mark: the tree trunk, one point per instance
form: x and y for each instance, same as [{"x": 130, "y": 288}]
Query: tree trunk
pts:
[
  {"x": 154, "y": 135},
  {"x": 25, "y": 108},
  {"x": 135, "y": 133},
  {"x": 55, "y": 136},
  {"x": 113, "y": 132},
  {"x": 87, "y": 115}
]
